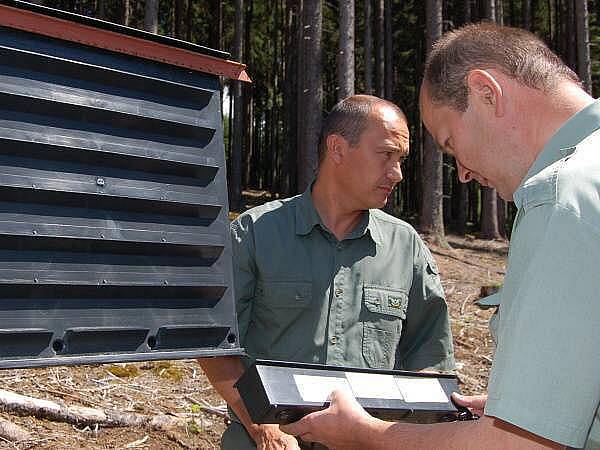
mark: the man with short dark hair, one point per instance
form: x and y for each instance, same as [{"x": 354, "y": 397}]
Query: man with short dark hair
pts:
[
  {"x": 326, "y": 277},
  {"x": 517, "y": 119}
]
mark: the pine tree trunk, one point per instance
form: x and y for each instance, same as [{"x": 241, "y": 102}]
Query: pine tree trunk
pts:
[
  {"x": 151, "y": 16},
  {"x": 489, "y": 10},
  {"x": 189, "y": 19},
  {"x": 500, "y": 12},
  {"x": 216, "y": 13},
  {"x": 179, "y": 15},
  {"x": 345, "y": 69},
  {"x": 311, "y": 92},
  {"x": 290, "y": 89},
  {"x": 489, "y": 214},
  {"x": 235, "y": 181},
  {"x": 379, "y": 48},
  {"x": 466, "y": 11},
  {"x": 389, "y": 52},
  {"x": 583, "y": 44},
  {"x": 432, "y": 217},
  {"x": 463, "y": 206},
  {"x": 526, "y": 11},
  {"x": 571, "y": 36},
  {"x": 368, "y": 44},
  {"x": 501, "y": 208},
  {"x": 126, "y": 12},
  {"x": 101, "y": 9}
]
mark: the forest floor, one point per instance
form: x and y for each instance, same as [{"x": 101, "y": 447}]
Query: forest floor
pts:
[{"x": 179, "y": 388}]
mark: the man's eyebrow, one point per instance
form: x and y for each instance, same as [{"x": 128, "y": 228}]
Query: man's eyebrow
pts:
[{"x": 386, "y": 147}]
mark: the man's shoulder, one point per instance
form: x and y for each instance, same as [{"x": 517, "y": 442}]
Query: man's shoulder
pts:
[
  {"x": 391, "y": 223},
  {"x": 270, "y": 212},
  {"x": 571, "y": 183},
  {"x": 578, "y": 183}
]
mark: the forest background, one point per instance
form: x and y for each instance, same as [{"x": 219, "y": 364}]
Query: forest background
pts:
[{"x": 305, "y": 55}]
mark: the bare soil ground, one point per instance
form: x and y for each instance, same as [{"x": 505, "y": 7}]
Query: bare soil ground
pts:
[{"x": 180, "y": 388}]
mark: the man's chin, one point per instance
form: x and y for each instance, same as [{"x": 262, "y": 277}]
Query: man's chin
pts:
[{"x": 380, "y": 203}]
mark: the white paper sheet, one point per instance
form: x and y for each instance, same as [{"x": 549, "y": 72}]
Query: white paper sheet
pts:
[
  {"x": 373, "y": 385},
  {"x": 421, "y": 390},
  {"x": 315, "y": 388}
]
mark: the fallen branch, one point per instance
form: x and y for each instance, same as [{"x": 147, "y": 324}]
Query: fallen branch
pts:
[
  {"x": 13, "y": 432},
  {"x": 11, "y": 402}
]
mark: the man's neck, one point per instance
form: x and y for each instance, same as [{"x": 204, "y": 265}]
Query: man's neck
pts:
[
  {"x": 334, "y": 209},
  {"x": 557, "y": 110},
  {"x": 546, "y": 114}
]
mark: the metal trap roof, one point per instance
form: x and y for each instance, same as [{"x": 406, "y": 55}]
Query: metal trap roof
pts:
[{"x": 114, "y": 242}]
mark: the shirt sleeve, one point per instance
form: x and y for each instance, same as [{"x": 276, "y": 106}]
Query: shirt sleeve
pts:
[
  {"x": 545, "y": 377},
  {"x": 426, "y": 341},
  {"x": 244, "y": 271}
]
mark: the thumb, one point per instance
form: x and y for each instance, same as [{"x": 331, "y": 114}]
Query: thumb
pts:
[
  {"x": 461, "y": 399},
  {"x": 294, "y": 428}
]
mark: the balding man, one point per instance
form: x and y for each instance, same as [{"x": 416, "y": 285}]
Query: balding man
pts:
[
  {"x": 326, "y": 277},
  {"x": 517, "y": 119}
]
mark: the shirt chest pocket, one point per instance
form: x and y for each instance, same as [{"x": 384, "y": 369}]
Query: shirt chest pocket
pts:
[
  {"x": 384, "y": 308},
  {"x": 283, "y": 294}
]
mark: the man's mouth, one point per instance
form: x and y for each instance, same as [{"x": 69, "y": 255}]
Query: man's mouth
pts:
[{"x": 387, "y": 189}]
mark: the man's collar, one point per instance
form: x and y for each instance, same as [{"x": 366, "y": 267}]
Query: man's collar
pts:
[
  {"x": 571, "y": 133},
  {"x": 307, "y": 218},
  {"x": 374, "y": 230}
]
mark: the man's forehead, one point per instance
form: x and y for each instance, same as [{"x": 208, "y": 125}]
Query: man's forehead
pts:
[{"x": 383, "y": 112}]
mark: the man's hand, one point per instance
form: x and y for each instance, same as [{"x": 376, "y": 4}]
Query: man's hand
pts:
[
  {"x": 474, "y": 403},
  {"x": 335, "y": 427},
  {"x": 270, "y": 437}
]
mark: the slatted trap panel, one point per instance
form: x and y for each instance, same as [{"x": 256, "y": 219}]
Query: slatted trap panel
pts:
[{"x": 114, "y": 241}]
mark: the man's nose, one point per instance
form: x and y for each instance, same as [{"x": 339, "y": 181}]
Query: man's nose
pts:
[
  {"x": 464, "y": 175},
  {"x": 395, "y": 173}
]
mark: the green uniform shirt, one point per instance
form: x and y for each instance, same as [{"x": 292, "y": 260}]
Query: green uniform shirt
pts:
[
  {"x": 546, "y": 372},
  {"x": 373, "y": 299}
]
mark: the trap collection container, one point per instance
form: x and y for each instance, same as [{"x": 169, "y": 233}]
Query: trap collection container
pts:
[{"x": 114, "y": 241}]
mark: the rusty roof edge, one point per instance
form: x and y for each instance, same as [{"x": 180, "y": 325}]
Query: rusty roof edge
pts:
[
  {"x": 27, "y": 20},
  {"x": 116, "y": 27}
]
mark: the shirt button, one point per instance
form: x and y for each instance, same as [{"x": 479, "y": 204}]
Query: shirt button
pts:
[
  {"x": 339, "y": 292},
  {"x": 333, "y": 339},
  {"x": 339, "y": 246}
]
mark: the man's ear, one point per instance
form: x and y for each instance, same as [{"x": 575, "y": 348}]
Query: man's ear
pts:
[
  {"x": 337, "y": 148},
  {"x": 485, "y": 88}
]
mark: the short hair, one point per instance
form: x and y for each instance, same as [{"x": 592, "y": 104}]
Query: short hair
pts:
[
  {"x": 486, "y": 45},
  {"x": 349, "y": 118}
]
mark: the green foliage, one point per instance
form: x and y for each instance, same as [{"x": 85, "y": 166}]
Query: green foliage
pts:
[
  {"x": 193, "y": 428},
  {"x": 196, "y": 409},
  {"x": 164, "y": 369},
  {"x": 123, "y": 371}
]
